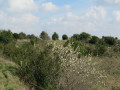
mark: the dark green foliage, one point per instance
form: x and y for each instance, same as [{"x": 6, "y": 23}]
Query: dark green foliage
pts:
[
  {"x": 94, "y": 40},
  {"x": 66, "y": 43},
  {"x": 101, "y": 42},
  {"x": 109, "y": 40},
  {"x": 101, "y": 50},
  {"x": 81, "y": 37},
  {"x": 76, "y": 37},
  {"x": 84, "y": 36},
  {"x": 31, "y": 36},
  {"x": 22, "y": 35},
  {"x": 64, "y": 37},
  {"x": 6, "y": 37},
  {"x": 55, "y": 36},
  {"x": 16, "y": 36},
  {"x": 42, "y": 71},
  {"x": 16, "y": 54},
  {"x": 79, "y": 46},
  {"x": 44, "y": 36}
]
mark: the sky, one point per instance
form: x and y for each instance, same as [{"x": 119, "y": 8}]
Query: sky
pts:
[{"x": 97, "y": 17}]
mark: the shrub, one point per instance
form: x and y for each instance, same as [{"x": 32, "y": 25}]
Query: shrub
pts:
[
  {"x": 64, "y": 37},
  {"x": 101, "y": 50},
  {"x": 16, "y": 36},
  {"x": 44, "y": 36},
  {"x": 42, "y": 70},
  {"x": 84, "y": 36},
  {"x": 55, "y": 36},
  {"x": 109, "y": 40},
  {"x": 76, "y": 37},
  {"x": 31, "y": 36},
  {"x": 22, "y": 35},
  {"x": 6, "y": 37},
  {"x": 79, "y": 46},
  {"x": 101, "y": 42},
  {"x": 94, "y": 40}
]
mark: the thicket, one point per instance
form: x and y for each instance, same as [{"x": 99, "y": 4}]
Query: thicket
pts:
[
  {"x": 39, "y": 68},
  {"x": 93, "y": 45},
  {"x": 39, "y": 64}
]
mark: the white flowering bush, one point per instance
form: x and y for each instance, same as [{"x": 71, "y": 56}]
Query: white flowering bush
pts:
[{"x": 78, "y": 73}]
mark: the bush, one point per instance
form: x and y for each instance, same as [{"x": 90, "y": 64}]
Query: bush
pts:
[
  {"x": 64, "y": 37},
  {"x": 22, "y": 35},
  {"x": 109, "y": 40},
  {"x": 94, "y": 40},
  {"x": 55, "y": 36},
  {"x": 101, "y": 50},
  {"x": 44, "y": 36},
  {"x": 79, "y": 46},
  {"x": 16, "y": 36},
  {"x": 6, "y": 37},
  {"x": 31, "y": 36},
  {"x": 84, "y": 36},
  {"x": 76, "y": 37},
  {"x": 43, "y": 71}
]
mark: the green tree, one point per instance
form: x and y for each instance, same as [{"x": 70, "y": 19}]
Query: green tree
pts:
[
  {"x": 64, "y": 37},
  {"x": 84, "y": 36},
  {"x": 94, "y": 40},
  {"x": 109, "y": 40},
  {"x": 55, "y": 36},
  {"x": 6, "y": 36},
  {"x": 16, "y": 36},
  {"x": 22, "y": 35},
  {"x": 76, "y": 37},
  {"x": 32, "y": 36},
  {"x": 44, "y": 36}
]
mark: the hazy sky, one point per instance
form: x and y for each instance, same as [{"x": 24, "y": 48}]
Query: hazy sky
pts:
[{"x": 97, "y": 17}]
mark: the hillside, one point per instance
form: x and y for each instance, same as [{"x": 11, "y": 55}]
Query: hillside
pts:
[
  {"x": 8, "y": 79},
  {"x": 82, "y": 62}
]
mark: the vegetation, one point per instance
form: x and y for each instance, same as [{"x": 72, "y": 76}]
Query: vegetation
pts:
[
  {"x": 83, "y": 62},
  {"x": 44, "y": 36},
  {"x": 94, "y": 40},
  {"x": 55, "y": 36},
  {"x": 64, "y": 37}
]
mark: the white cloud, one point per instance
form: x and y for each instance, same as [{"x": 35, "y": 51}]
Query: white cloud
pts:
[
  {"x": 49, "y": 7},
  {"x": 22, "y": 5},
  {"x": 96, "y": 12},
  {"x": 27, "y": 19},
  {"x": 116, "y": 15}
]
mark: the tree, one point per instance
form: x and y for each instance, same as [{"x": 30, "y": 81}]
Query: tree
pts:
[
  {"x": 22, "y": 35},
  {"x": 109, "y": 40},
  {"x": 16, "y": 36},
  {"x": 6, "y": 36},
  {"x": 44, "y": 36},
  {"x": 94, "y": 40},
  {"x": 55, "y": 36},
  {"x": 76, "y": 37},
  {"x": 32, "y": 36},
  {"x": 64, "y": 37},
  {"x": 84, "y": 36}
]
